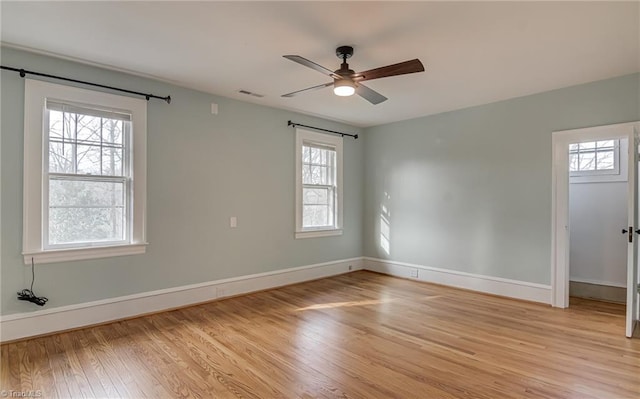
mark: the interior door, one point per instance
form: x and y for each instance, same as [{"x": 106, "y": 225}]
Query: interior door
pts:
[{"x": 632, "y": 256}]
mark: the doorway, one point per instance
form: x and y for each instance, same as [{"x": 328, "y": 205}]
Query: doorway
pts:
[
  {"x": 598, "y": 188},
  {"x": 570, "y": 147}
]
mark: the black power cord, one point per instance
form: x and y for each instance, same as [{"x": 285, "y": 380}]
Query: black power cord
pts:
[{"x": 28, "y": 295}]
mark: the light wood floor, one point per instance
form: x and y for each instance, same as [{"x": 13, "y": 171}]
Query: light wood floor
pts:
[{"x": 361, "y": 335}]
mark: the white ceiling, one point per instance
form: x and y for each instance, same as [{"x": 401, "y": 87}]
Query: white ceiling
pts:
[{"x": 474, "y": 52}]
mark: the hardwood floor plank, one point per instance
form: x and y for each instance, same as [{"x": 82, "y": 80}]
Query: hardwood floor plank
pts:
[
  {"x": 41, "y": 373},
  {"x": 359, "y": 335},
  {"x": 57, "y": 365},
  {"x": 11, "y": 368}
]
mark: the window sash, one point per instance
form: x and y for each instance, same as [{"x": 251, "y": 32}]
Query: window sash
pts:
[
  {"x": 330, "y": 205},
  {"x": 124, "y": 177},
  {"x": 331, "y": 186},
  {"x": 125, "y": 207}
]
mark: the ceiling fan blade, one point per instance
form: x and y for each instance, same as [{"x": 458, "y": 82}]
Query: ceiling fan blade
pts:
[
  {"x": 400, "y": 68},
  {"x": 312, "y": 65},
  {"x": 294, "y": 93},
  {"x": 370, "y": 95}
]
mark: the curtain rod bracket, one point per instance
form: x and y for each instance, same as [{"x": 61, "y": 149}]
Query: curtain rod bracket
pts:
[{"x": 294, "y": 124}]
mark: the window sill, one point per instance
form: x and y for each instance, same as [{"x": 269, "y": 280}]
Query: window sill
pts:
[
  {"x": 318, "y": 233},
  {"x": 67, "y": 255}
]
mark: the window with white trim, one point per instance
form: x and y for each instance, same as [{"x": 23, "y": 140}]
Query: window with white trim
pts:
[
  {"x": 594, "y": 158},
  {"x": 84, "y": 175},
  {"x": 318, "y": 184}
]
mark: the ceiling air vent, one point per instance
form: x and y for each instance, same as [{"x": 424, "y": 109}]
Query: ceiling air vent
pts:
[{"x": 249, "y": 93}]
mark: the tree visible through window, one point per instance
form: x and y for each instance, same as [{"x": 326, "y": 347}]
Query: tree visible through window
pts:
[{"x": 88, "y": 174}]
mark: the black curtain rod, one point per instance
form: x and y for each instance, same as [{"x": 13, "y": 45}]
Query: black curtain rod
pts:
[
  {"x": 289, "y": 123},
  {"x": 24, "y": 72}
]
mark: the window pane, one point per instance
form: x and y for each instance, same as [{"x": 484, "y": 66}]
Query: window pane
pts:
[
  {"x": 55, "y": 124},
  {"x": 89, "y": 128},
  {"x": 69, "y": 126},
  {"x": 315, "y": 196},
  {"x": 605, "y": 144},
  {"x": 587, "y": 161},
  {"x": 112, "y": 131},
  {"x": 573, "y": 147},
  {"x": 306, "y": 154},
  {"x": 319, "y": 175},
  {"x": 573, "y": 162},
  {"x": 316, "y": 156},
  {"x": 88, "y": 160},
  {"x": 79, "y": 193},
  {"x": 306, "y": 174},
  {"x": 316, "y": 216},
  {"x": 588, "y": 146},
  {"x": 605, "y": 160},
  {"x": 60, "y": 157},
  {"x": 112, "y": 161},
  {"x": 75, "y": 225},
  {"x": 83, "y": 211}
]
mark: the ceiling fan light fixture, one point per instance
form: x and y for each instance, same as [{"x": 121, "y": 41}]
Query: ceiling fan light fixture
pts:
[{"x": 344, "y": 87}]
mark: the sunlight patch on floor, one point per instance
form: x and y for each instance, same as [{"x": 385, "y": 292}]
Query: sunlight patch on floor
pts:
[{"x": 332, "y": 305}]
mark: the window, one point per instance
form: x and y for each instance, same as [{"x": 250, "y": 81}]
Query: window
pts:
[
  {"x": 84, "y": 174},
  {"x": 594, "y": 158},
  {"x": 318, "y": 184}
]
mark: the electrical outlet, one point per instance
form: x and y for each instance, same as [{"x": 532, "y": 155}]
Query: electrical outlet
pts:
[
  {"x": 414, "y": 273},
  {"x": 350, "y": 267}
]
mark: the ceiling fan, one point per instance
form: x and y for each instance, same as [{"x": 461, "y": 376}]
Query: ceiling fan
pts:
[{"x": 346, "y": 82}]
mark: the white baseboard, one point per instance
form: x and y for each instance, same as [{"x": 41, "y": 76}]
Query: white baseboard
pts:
[
  {"x": 597, "y": 282},
  {"x": 46, "y": 321},
  {"x": 476, "y": 282}
]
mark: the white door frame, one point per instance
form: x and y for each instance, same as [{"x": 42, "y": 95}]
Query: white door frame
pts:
[{"x": 560, "y": 198}]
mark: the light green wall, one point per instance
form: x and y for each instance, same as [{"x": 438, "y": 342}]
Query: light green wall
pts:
[
  {"x": 470, "y": 190},
  {"x": 202, "y": 169}
]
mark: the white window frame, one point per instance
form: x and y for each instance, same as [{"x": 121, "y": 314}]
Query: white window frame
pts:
[
  {"x": 35, "y": 196},
  {"x": 304, "y": 136}
]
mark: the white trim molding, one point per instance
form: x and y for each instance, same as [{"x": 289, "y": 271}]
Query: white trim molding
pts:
[
  {"x": 307, "y": 138},
  {"x": 597, "y": 282},
  {"x": 41, "y": 322},
  {"x": 47, "y": 321},
  {"x": 560, "y": 225},
  {"x": 72, "y": 254},
  {"x": 35, "y": 187},
  {"x": 490, "y": 285}
]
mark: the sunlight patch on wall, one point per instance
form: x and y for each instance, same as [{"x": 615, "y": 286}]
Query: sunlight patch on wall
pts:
[{"x": 385, "y": 225}]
